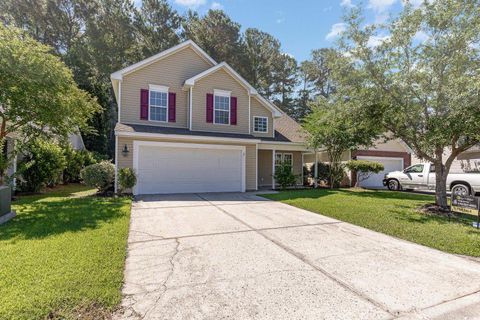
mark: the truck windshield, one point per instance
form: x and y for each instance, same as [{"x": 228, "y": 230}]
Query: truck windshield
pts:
[{"x": 418, "y": 168}]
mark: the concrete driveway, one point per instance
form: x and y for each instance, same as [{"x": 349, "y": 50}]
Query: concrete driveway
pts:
[{"x": 239, "y": 256}]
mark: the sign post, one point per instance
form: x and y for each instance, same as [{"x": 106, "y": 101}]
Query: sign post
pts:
[{"x": 466, "y": 204}]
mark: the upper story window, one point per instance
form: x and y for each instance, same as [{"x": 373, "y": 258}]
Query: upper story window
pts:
[
  {"x": 158, "y": 103},
  {"x": 260, "y": 124},
  {"x": 221, "y": 107}
]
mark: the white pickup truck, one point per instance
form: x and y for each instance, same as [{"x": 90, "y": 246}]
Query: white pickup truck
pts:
[{"x": 422, "y": 176}]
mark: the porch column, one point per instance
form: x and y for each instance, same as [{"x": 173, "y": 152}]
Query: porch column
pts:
[{"x": 273, "y": 169}]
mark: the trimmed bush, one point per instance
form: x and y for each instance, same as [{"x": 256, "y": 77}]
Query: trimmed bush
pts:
[
  {"x": 76, "y": 161},
  {"x": 99, "y": 175},
  {"x": 126, "y": 179},
  {"x": 284, "y": 175},
  {"x": 323, "y": 172},
  {"x": 42, "y": 166},
  {"x": 364, "y": 169}
]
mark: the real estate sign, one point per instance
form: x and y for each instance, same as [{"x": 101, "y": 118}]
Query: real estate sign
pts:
[{"x": 466, "y": 204}]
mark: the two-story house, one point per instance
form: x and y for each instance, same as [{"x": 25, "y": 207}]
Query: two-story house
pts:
[{"x": 189, "y": 124}]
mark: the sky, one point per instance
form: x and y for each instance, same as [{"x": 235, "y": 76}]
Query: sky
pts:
[{"x": 301, "y": 25}]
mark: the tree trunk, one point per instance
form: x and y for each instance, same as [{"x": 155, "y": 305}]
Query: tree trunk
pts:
[
  {"x": 441, "y": 174},
  {"x": 316, "y": 170}
]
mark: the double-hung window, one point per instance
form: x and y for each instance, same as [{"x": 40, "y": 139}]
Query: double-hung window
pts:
[
  {"x": 260, "y": 124},
  {"x": 221, "y": 107},
  {"x": 158, "y": 103}
]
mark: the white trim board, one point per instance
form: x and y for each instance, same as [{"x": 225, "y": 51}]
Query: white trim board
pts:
[{"x": 184, "y": 137}]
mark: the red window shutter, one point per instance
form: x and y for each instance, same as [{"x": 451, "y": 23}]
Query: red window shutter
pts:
[
  {"x": 172, "y": 97},
  {"x": 209, "y": 108},
  {"x": 143, "y": 104},
  {"x": 233, "y": 110}
]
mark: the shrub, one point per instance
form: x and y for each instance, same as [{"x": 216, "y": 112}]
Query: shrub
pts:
[
  {"x": 364, "y": 169},
  {"x": 76, "y": 161},
  {"x": 284, "y": 175},
  {"x": 327, "y": 174},
  {"x": 323, "y": 173},
  {"x": 126, "y": 179},
  {"x": 42, "y": 165},
  {"x": 99, "y": 175}
]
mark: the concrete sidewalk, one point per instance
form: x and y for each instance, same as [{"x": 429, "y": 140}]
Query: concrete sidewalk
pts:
[{"x": 239, "y": 256}]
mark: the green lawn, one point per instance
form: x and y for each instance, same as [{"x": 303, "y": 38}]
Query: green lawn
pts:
[
  {"x": 63, "y": 255},
  {"x": 392, "y": 213}
]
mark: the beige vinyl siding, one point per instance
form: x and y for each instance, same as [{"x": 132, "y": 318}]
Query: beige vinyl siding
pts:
[
  {"x": 250, "y": 156},
  {"x": 172, "y": 72},
  {"x": 265, "y": 168},
  {"x": 221, "y": 80},
  {"x": 257, "y": 109}
]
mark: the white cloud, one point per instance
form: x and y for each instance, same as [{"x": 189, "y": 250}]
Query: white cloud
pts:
[
  {"x": 347, "y": 4},
  {"x": 216, "y": 6},
  {"x": 375, "y": 41},
  {"x": 336, "y": 30},
  {"x": 190, "y": 3},
  {"x": 420, "y": 36},
  {"x": 380, "y": 5},
  {"x": 280, "y": 20}
]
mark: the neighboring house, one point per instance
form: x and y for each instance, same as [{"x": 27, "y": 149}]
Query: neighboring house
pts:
[
  {"x": 189, "y": 124},
  {"x": 393, "y": 154}
]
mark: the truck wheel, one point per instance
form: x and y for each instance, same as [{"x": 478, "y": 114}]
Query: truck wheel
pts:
[
  {"x": 393, "y": 185},
  {"x": 460, "y": 190}
]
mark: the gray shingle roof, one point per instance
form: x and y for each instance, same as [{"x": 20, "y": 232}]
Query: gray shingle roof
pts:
[{"x": 139, "y": 128}]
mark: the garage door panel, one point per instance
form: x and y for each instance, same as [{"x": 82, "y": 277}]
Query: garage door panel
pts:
[
  {"x": 164, "y": 169},
  {"x": 376, "y": 180}
]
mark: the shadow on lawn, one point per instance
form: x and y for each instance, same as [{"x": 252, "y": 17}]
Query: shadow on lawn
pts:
[{"x": 40, "y": 217}]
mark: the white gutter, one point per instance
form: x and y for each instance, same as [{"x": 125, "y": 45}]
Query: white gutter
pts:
[{"x": 183, "y": 137}]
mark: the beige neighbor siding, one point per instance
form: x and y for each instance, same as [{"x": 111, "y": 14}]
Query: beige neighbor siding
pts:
[
  {"x": 220, "y": 80},
  {"x": 257, "y": 109},
  {"x": 172, "y": 72},
  {"x": 265, "y": 168},
  {"x": 250, "y": 156}
]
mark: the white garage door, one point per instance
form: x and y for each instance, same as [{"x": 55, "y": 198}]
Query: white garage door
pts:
[
  {"x": 376, "y": 180},
  {"x": 186, "y": 168}
]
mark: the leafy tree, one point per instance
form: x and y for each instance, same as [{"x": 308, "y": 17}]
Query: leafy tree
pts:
[
  {"x": 218, "y": 35},
  {"x": 157, "y": 27},
  {"x": 421, "y": 78},
  {"x": 363, "y": 169},
  {"x": 336, "y": 127},
  {"x": 284, "y": 82},
  {"x": 261, "y": 49},
  {"x": 320, "y": 72},
  {"x": 38, "y": 96},
  {"x": 305, "y": 93}
]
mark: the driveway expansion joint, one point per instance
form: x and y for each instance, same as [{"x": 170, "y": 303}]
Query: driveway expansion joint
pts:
[
  {"x": 161, "y": 238},
  {"x": 302, "y": 258}
]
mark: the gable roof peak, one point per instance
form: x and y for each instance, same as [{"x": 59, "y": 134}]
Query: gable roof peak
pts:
[{"x": 118, "y": 75}]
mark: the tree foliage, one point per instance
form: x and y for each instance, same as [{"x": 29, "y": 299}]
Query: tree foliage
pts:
[
  {"x": 41, "y": 166},
  {"x": 363, "y": 169},
  {"x": 336, "y": 127},
  {"x": 38, "y": 96},
  {"x": 419, "y": 74}
]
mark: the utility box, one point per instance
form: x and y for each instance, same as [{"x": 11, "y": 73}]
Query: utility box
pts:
[{"x": 5, "y": 200}]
